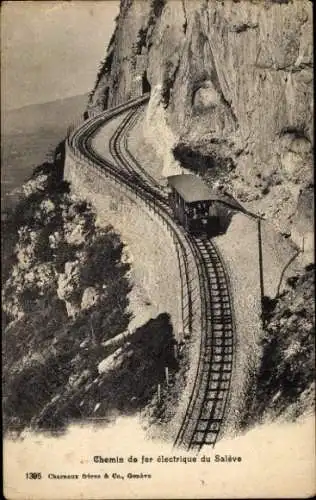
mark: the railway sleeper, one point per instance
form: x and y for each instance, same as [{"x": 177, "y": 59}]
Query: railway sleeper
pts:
[
  {"x": 221, "y": 298},
  {"x": 222, "y": 350},
  {"x": 224, "y": 341},
  {"x": 221, "y": 310},
  {"x": 197, "y": 445},
  {"x": 220, "y": 364},
  {"x": 225, "y": 302},
  {"x": 218, "y": 316},
  {"x": 210, "y": 400},
  {"x": 220, "y": 343},
  {"x": 218, "y": 339},
  {"x": 219, "y": 376},
  {"x": 199, "y": 439},
  {"x": 222, "y": 334},
  {"x": 216, "y": 266},
  {"x": 225, "y": 315},
  {"x": 217, "y": 293},
  {"x": 208, "y": 415},
  {"x": 225, "y": 333},
  {"x": 212, "y": 263},
  {"x": 215, "y": 391},
  {"x": 214, "y": 374},
  {"x": 213, "y": 255},
  {"x": 211, "y": 440},
  {"x": 222, "y": 358},
  {"x": 219, "y": 368},
  {"x": 214, "y": 395},
  {"x": 223, "y": 294},
  {"x": 220, "y": 292},
  {"x": 215, "y": 404},
  {"x": 218, "y": 327},
  {"x": 202, "y": 426},
  {"x": 212, "y": 278},
  {"x": 205, "y": 431},
  {"x": 217, "y": 308},
  {"x": 221, "y": 320},
  {"x": 214, "y": 270},
  {"x": 219, "y": 302}
]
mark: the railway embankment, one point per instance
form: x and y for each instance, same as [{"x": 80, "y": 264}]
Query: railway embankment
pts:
[
  {"x": 161, "y": 261},
  {"x": 153, "y": 254},
  {"x": 280, "y": 260},
  {"x": 67, "y": 305}
]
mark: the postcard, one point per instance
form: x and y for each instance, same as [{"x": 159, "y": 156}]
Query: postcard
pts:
[{"x": 157, "y": 248}]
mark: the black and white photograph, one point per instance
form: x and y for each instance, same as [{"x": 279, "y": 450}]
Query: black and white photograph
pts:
[{"x": 157, "y": 214}]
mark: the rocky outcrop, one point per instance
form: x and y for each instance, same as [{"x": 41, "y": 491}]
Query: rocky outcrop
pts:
[
  {"x": 231, "y": 86},
  {"x": 54, "y": 246},
  {"x": 286, "y": 378},
  {"x": 65, "y": 296},
  {"x": 69, "y": 287}
]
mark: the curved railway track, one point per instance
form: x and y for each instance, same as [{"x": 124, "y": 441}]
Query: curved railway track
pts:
[
  {"x": 206, "y": 409},
  {"x": 207, "y": 405}
]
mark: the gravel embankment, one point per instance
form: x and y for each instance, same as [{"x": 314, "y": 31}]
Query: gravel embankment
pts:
[{"x": 101, "y": 140}]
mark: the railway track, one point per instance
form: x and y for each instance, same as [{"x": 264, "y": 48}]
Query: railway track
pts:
[
  {"x": 206, "y": 408},
  {"x": 207, "y": 405},
  {"x": 121, "y": 154}
]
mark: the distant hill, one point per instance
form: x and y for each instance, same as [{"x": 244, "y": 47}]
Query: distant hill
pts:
[{"x": 29, "y": 134}]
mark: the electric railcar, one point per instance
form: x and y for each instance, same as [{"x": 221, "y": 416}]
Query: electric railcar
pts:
[{"x": 193, "y": 203}]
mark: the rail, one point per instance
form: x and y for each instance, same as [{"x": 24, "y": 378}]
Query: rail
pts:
[
  {"x": 80, "y": 144},
  {"x": 210, "y": 388},
  {"x": 207, "y": 406}
]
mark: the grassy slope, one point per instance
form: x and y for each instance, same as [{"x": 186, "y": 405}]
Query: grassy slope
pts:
[{"x": 29, "y": 134}]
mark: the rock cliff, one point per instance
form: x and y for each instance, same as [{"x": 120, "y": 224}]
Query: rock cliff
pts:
[
  {"x": 231, "y": 96},
  {"x": 66, "y": 310}
]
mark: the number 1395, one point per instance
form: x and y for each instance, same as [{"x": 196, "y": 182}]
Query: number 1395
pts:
[{"x": 33, "y": 475}]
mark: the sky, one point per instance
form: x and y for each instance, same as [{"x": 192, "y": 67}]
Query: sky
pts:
[{"x": 52, "y": 49}]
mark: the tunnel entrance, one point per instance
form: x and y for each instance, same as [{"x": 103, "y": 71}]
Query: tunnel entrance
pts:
[{"x": 145, "y": 84}]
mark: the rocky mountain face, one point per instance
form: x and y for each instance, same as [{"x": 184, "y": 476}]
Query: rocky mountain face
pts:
[
  {"x": 66, "y": 315},
  {"x": 285, "y": 383},
  {"x": 231, "y": 96}
]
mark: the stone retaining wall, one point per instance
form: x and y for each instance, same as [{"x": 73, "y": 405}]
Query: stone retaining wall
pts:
[{"x": 150, "y": 242}]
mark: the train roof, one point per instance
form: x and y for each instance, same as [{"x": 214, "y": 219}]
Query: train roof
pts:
[{"x": 191, "y": 188}]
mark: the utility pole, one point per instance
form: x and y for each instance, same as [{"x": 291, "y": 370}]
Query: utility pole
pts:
[{"x": 261, "y": 268}]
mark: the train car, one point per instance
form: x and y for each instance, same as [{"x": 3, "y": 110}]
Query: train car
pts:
[{"x": 193, "y": 203}]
